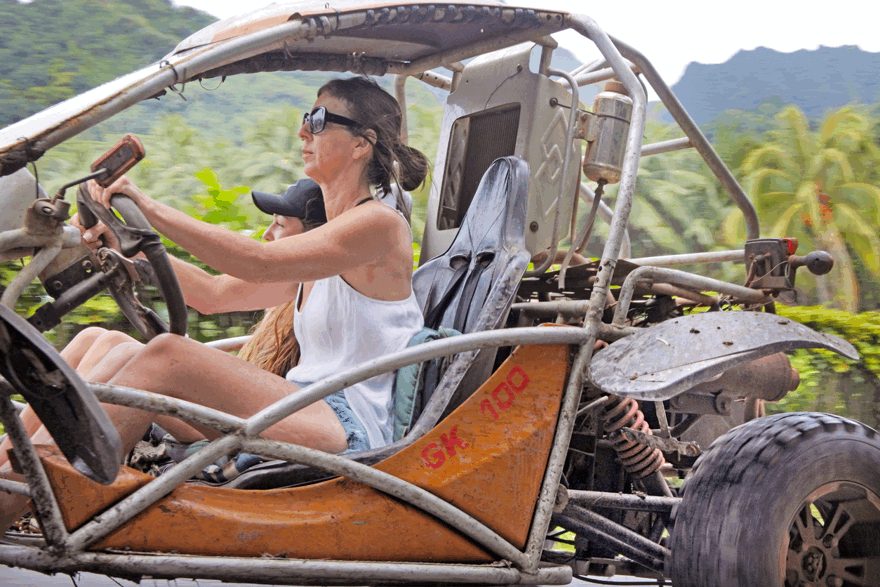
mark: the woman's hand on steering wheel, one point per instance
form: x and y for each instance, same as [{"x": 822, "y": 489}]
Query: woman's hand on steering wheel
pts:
[
  {"x": 134, "y": 237},
  {"x": 123, "y": 186},
  {"x": 96, "y": 236}
]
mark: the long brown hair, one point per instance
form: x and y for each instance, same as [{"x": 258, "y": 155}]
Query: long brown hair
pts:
[{"x": 273, "y": 346}]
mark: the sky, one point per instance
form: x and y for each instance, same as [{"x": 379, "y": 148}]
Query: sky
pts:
[{"x": 673, "y": 33}]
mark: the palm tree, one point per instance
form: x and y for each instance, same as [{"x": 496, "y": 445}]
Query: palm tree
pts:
[
  {"x": 813, "y": 185},
  {"x": 678, "y": 205}
]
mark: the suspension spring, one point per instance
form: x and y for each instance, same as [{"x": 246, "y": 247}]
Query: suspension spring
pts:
[{"x": 639, "y": 460}]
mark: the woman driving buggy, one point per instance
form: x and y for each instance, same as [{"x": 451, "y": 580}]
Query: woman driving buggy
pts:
[
  {"x": 351, "y": 279},
  {"x": 272, "y": 346},
  {"x": 96, "y": 353}
]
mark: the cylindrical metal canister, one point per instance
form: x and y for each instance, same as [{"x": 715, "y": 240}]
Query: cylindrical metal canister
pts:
[{"x": 612, "y": 110}]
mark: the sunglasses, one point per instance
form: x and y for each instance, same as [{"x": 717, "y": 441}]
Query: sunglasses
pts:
[{"x": 318, "y": 118}]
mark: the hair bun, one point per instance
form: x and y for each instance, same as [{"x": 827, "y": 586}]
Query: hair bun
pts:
[{"x": 413, "y": 167}]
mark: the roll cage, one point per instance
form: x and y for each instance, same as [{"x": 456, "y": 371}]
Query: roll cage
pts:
[{"x": 406, "y": 39}]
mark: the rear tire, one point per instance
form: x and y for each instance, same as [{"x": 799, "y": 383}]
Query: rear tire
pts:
[{"x": 789, "y": 500}]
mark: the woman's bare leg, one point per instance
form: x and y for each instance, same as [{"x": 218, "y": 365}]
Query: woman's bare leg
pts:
[
  {"x": 13, "y": 506},
  {"x": 84, "y": 353},
  {"x": 110, "y": 365},
  {"x": 80, "y": 345},
  {"x": 185, "y": 369},
  {"x": 103, "y": 345}
]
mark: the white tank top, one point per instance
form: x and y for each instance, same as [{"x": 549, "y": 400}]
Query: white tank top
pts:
[{"x": 340, "y": 328}]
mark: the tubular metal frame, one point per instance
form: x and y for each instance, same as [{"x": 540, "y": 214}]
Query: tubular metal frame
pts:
[
  {"x": 241, "y": 436},
  {"x": 65, "y": 551}
]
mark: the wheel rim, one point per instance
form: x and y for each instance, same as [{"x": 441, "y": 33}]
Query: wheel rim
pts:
[{"x": 834, "y": 538}]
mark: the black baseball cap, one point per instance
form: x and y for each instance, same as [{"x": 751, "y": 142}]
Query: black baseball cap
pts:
[{"x": 302, "y": 200}]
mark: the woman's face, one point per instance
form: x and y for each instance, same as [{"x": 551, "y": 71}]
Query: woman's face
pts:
[
  {"x": 283, "y": 226},
  {"x": 325, "y": 154}
]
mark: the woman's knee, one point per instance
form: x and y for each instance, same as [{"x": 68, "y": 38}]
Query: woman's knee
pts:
[
  {"x": 113, "y": 361},
  {"x": 155, "y": 362},
  {"x": 86, "y": 337},
  {"x": 76, "y": 349},
  {"x": 125, "y": 350},
  {"x": 112, "y": 338},
  {"x": 167, "y": 348}
]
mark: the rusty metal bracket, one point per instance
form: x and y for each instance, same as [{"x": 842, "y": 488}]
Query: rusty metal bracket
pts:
[
  {"x": 585, "y": 127},
  {"x": 688, "y": 449},
  {"x": 177, "y": 79}
]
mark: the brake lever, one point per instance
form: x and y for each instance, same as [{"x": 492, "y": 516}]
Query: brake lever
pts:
[
  {"x": 86, "y": 216},
  {"x": 138, "y": 270}
]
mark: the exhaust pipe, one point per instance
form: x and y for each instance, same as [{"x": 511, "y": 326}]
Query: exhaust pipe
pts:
[{"x": 769, "y": 378}]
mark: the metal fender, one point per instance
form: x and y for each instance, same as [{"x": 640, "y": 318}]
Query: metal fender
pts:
[{"x": 672, "y": 357}]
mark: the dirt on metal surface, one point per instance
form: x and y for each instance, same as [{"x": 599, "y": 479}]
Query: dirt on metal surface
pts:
[{"x": 487, "y": 458}]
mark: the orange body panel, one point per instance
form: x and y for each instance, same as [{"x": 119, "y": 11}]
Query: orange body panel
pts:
[{"x": 487, "y": 458}]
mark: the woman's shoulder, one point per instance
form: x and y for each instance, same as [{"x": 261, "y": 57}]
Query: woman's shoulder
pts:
[{"x": 381, "y": 217}]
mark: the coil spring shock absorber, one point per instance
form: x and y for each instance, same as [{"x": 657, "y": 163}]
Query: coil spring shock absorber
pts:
[{"x": 639, "y": 460}]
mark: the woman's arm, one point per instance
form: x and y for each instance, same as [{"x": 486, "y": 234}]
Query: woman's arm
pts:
[
  {"x": 210, "y": 294},
  {"x": 364, "y": 235},
  {"x": 206, "y": 293}
]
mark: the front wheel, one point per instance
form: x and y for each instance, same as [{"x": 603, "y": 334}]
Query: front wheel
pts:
[{"x": 791, "y": 500}]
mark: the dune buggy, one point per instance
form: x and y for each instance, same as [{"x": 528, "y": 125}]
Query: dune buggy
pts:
[{"x": 544, "y": 445}]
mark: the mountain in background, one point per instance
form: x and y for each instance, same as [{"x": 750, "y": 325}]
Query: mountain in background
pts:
[
  {"x": 764, "y": 80},
  {"x": 51, "y": 50}
]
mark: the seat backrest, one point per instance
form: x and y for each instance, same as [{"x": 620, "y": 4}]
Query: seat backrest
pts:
[{"x": 471, "y": 286}]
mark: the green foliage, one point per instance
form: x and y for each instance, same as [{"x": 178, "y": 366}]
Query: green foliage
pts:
[
  {"x": 679, "y": 206},
  {"x": 818, "y": 186},
  {"x": 219, "y": 206},
  {"x": 830, "y": 382},
  {"x": 48, "y": 48}
]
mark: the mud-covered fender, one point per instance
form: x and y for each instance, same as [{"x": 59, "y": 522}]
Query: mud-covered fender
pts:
[{"x": 670, "y": 358}]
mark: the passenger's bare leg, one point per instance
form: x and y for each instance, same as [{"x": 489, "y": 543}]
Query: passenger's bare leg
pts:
[
  {"x": 182, "y": 368},
  {"x": 80, "y": 345},
  {"x": 103, "y": 345},
  {"x": 112, "y": 362},
  {"x": 13, "y": 506}
]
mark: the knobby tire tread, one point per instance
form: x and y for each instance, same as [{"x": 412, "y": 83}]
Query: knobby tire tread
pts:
[{"x": 722, "y": 479}]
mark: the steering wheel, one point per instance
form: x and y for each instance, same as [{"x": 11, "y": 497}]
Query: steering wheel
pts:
[{"x": 136, "y": 235}]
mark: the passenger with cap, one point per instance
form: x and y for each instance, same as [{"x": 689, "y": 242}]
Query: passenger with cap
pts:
[{"x": 299, "y": 209}]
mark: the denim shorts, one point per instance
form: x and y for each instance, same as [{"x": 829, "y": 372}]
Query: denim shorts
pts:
[{"x": 355, "y": 432}]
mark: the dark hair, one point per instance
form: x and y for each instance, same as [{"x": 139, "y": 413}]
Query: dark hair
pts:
[{"x": 376, "y": 109}]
